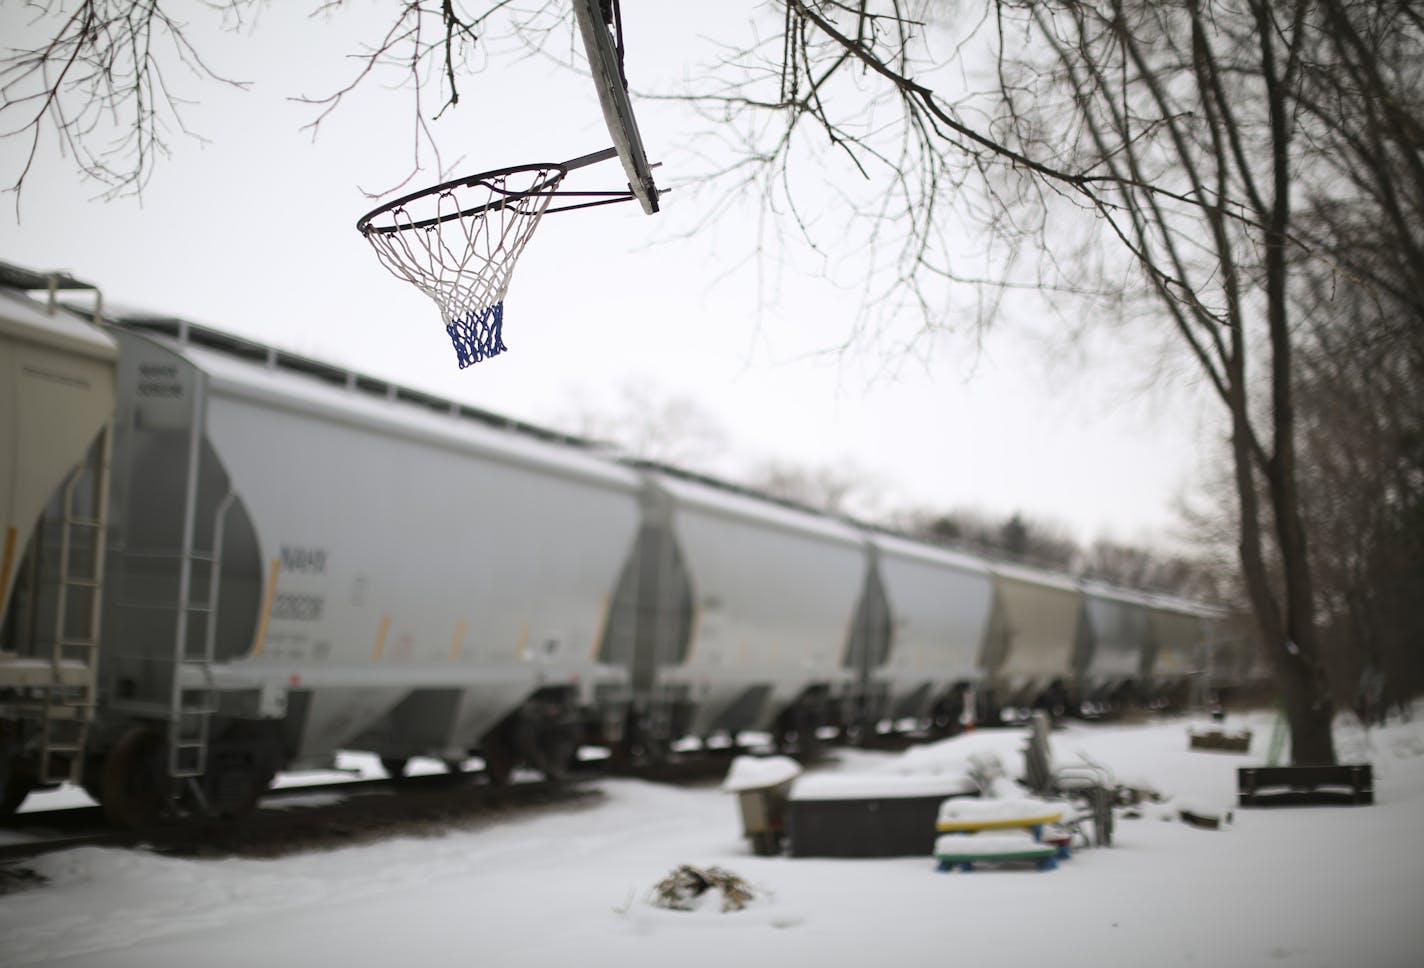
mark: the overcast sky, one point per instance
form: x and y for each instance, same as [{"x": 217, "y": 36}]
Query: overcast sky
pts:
[{"x": 252, "y": 230}]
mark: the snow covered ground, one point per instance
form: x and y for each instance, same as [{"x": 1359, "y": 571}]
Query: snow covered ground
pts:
[{"x": 1299, "y": 886}]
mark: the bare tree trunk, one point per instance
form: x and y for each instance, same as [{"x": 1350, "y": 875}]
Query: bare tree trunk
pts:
[
  {"x": 1300, "y": 669},
  {"x": 1307, "y": 709}
]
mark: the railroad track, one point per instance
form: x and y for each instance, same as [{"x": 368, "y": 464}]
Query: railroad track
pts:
[
  {"x": 321, "y": 816},
  {"x": 298, "y": 818}
]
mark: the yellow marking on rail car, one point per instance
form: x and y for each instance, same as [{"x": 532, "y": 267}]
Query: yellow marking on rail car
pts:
[
  {"x": 846, "y": 640},
  {"x": 603, "y": 610},
  {"x": 267, "y": 600},
  {"x": 458, "y": 641},
  {"x": 694, "y": 634},
  {"x": 521, "y": 651},
  {"x": 381, "y": 636},
  {"x": 12, "y": 537}
]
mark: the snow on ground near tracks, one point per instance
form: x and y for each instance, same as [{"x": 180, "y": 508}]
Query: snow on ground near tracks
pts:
[{"x": 1297, "y": 886}]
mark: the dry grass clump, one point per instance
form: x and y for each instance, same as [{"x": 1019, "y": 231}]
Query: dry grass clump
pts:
[{"x": 681, "y": 889}]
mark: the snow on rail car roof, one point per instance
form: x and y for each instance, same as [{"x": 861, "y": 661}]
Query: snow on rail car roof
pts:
[
  {"x": 33, "y": 280},
  {"x": 934, "y": 554},
  {"x": 1150, "y": 599},
  {"x": 244, "y": 368},
  {"x": 1186, "y": 606},
  {"x": 59, "y": 327},
  {"x": 1035, "y": 576},
  {"x": 710, "y": 494},
  {"x": 1113, "y": 593}
]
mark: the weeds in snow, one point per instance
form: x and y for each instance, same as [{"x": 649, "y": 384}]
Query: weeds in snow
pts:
[{"x": 682, "y": 889}]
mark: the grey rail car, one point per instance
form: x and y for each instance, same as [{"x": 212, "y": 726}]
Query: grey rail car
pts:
[
  {"x": 924, "y": 616},
  {"x": 1115, "y": 643},
  {"x": 56, "y": 403},
  {"x": 1180, "y": 649},
  {"x": 743, "y": 610},
  {"x": 304, "y": 560},
  {"x": 1030, "y": 652}
]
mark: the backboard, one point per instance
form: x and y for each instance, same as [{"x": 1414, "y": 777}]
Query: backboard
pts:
[{"x": 601, "y": 25}]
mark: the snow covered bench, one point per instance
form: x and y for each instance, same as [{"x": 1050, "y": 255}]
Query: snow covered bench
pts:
[
  {"x": 964, "y": 851},
  {"x": 971, "y": 816},
  {"x": 1266, "y": 786},
  {"x": 964, "y": 816}
]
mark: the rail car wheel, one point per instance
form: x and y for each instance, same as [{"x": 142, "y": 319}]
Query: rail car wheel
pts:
[
  {"x": 945, "y": 716},
  {"x": 16, "y": 782},
  {"x": 558, "y": 751},
  {"x": 133, "y": 790},
  {"x": 92, "y": 779},
  {"x": 498, "y": 754},
  {"x": 808, "y": 744},
  {"x": 795, "y": 732}
]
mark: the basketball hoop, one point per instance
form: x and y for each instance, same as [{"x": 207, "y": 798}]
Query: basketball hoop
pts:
[{"x": 458, "y": 242}]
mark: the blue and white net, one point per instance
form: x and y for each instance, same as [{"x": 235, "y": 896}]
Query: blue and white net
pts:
[{"x": 459, "y": 246}]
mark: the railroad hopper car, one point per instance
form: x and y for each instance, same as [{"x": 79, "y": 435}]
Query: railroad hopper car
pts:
[
  {"x": 1031, "y": 651},
  {"x": 302, "y": 560},
  {"x": 56, "y": 402},
  {"x": 1114, "y": 646},
  {"x": 920, "y": 631},
  {"x": 1181, "y": 635},
  {"x": 735, "y": 614}
]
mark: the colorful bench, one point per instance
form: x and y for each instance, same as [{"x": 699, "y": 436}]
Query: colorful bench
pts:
[
  {"x": 963, "y": 842},
  {"x": 967, "y": 815},
  {"x": 970, "y": 816},
  {"x": 958, "y": 850}
]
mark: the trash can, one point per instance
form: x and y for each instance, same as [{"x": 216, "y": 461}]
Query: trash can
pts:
[{"x": 762, "y": 785}]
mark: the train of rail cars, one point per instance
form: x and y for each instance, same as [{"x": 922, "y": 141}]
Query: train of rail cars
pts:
[{"x": 222, "y": 560}]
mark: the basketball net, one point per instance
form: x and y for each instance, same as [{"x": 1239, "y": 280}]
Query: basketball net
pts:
[{"x": 459, "y": 246}]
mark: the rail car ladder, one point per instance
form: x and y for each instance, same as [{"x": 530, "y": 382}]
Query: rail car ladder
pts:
[
  {"x": 184, "y": 698},
  {"x": 193, "y": 700},
  {"x": 70, "y": 701}
]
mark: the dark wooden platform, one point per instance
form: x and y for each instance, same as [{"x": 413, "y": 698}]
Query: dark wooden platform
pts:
[
  {"x": 1217, "y": 739},
  {"x": 1272, "y": 786}
]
